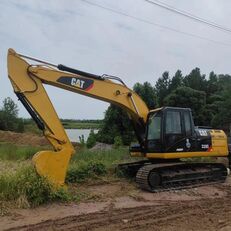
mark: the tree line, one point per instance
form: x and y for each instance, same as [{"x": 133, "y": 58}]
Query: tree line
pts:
[{"x": 209, "y": 98}]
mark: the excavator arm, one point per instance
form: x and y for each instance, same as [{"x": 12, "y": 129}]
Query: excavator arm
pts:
[{"x": 27, "y": 81}]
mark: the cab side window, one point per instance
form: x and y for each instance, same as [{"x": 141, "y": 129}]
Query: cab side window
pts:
[
  {"x": 173, "y": 122},
  {"x": 154, "y": 127}
]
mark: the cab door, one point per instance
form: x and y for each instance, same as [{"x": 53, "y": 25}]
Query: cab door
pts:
[
  {"x": 173, "y": 130},
  {"x": 178, "y": 130}
]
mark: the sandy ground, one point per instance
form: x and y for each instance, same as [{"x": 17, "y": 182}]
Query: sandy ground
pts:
[
  {"x": 26, "y": 139},
  {"x": 121, "y": 206}
]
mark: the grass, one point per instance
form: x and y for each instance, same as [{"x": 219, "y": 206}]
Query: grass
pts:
[
  {"x": 20, "y": 184},
  {"x": 107, "y": 157},
  {"x": 93, "y": 164},
  {"x": 9, "y": 166},
  {"x": 14, "y": 152}
]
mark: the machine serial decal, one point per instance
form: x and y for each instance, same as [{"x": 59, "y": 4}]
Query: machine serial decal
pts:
[
  {"x": 179, "y": 149},
  {"x": 204, "y": 146},
  {"x": 81, "y": 83}
]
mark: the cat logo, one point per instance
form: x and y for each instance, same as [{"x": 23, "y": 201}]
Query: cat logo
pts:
[{"x": 77, "y": 82}]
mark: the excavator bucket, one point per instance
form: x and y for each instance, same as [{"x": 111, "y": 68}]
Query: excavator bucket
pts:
[{"x": 52, "y": 165}]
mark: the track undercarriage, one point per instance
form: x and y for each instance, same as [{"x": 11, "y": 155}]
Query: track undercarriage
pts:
[{"x": 155, "y": 177}]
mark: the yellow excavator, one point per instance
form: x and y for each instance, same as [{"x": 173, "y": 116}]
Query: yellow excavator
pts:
[{"x": 165, "y": 135}]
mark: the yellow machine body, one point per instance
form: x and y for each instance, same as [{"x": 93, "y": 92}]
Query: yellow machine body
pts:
[{"x": 219, "y": 148}]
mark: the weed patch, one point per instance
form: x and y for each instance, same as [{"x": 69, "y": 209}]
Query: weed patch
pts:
[
  {"x": 28, "y": 189},
  {"x": 78, "y": 173}
]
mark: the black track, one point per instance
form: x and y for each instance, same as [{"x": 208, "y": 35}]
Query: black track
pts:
[
  {"x": 181, "y": 175},
  {"x": 174, "y": 176}
]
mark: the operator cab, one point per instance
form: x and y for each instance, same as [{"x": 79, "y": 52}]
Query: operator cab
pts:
[{"x": 171, "y": 130}]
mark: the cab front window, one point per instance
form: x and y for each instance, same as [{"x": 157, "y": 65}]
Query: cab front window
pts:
[{"x": 154, "y": 127}]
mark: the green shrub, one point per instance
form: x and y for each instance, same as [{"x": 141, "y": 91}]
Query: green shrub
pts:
[
  {"x": 91, "y": 141},
  {"x": 118, "y": 142},
  {"x": 78, "y": 173},
  {"x": 60, "y": 194},
  {"x": 8, "y": 115},
  {"x": 82, "y": 141},
  {"x": 20, "y": 126}
]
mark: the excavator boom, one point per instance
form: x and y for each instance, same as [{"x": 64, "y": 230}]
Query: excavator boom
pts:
[{"x": 27, "y": 81}]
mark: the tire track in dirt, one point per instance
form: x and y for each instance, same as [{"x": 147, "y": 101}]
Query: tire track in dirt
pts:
[
  {"x": 205, "y": 208},
  {"x": 194, "y": 215}
]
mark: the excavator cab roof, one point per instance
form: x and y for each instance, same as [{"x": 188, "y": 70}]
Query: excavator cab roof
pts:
[{"x": 167, "y": 108}]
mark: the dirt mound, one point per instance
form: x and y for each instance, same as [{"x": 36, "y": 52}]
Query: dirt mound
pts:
[{"x": 22, "y": 138}]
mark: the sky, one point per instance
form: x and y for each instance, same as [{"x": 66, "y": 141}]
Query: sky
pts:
[{"x": 92, "y": 39}]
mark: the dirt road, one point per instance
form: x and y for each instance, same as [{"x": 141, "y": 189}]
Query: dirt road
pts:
[{"x": 118, "y": 207}]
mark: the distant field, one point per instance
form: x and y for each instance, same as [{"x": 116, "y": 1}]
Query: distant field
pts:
[
  {"x": 81, "y": 125},
  {"x": 30, "y": 126}
]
